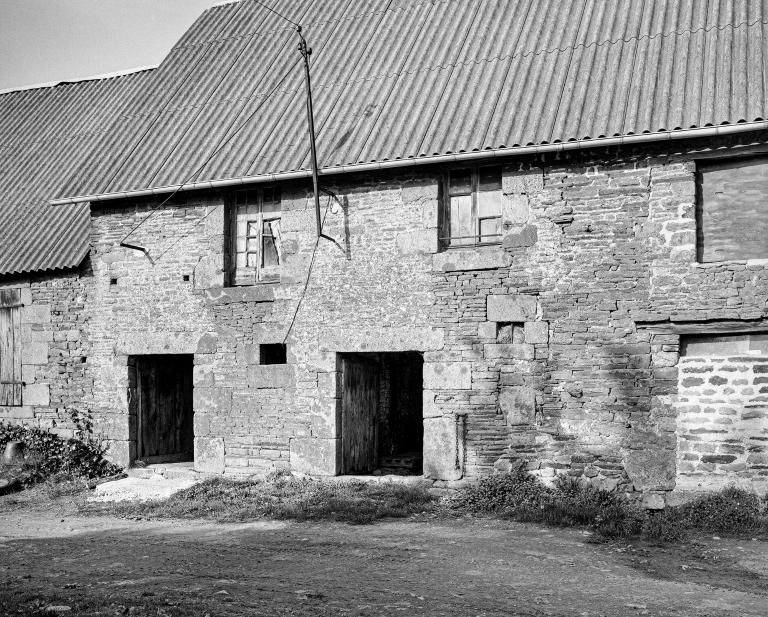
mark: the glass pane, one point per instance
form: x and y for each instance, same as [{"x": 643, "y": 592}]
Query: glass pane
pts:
[
  {"x": 272, "y": 195},
  {"x": 490, "y": 230},
  {"x": 461, "y": 182},
  {"x": 462, "y": 231},
  {"x": 490, "y": 178},
  {"x": 253, "y": 229},
  {"x": 271, "y": 257},
  {"x": 253, "y": 260},
  {"x": 489, "y": 204}
]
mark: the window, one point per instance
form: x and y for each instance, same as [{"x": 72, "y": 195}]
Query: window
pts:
[
  {"x": 256, "y": 244},
  {"x": 732, "y": 210},
  {"x": 10, "y": 348},
  {"x": 472, "y": 207}
]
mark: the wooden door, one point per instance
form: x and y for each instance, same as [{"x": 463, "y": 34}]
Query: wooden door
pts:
[
  {"x": 360, "y": 402},
  {"x": 165, "y": 432},
  {"x": 10, "y": 347}
]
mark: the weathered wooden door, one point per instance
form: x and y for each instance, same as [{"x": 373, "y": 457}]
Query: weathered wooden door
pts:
[
  {"x": 359, "y": 405},
  {"x": 165, "y": 432},
  {"x": 10, "y": 347}
]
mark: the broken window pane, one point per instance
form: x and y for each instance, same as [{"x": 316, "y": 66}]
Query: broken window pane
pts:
[
  {"x": 490, "y": 229},
  {"x": 490, "y": 179},
  {"x": 461, "y": 182},
  {"x": 271, "y": 244}
]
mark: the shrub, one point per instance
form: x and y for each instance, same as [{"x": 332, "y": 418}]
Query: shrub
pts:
[
  {"x": 48, "y": 454},
  {"x": 731, "y": 510},
  {"x": 503, "y": 493}
]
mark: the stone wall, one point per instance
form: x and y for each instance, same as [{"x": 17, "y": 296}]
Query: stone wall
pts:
[
  {"x": 54, "y": 348},
  {"x": 558, "y": 349}
]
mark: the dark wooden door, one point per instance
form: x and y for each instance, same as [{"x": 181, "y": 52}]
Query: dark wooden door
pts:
[
  {"x": 165, "y": 432},
  {"x": 360, "y": 402}
]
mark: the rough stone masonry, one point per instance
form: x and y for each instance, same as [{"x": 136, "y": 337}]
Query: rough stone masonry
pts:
[{"x": 558, "y": 349}]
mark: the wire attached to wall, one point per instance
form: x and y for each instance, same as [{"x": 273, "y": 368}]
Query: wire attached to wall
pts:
[{"x": 210, "y": 157}]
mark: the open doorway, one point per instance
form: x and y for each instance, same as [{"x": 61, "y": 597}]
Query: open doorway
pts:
[
  {"x": 164, "y": 413},
  {"x": 382, "y": 427}
]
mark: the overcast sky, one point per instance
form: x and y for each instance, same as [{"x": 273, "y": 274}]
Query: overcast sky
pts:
[{"x": 53, "y": 40}]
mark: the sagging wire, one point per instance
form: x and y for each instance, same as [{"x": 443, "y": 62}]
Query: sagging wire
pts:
[{"x": 194, "y": 175}]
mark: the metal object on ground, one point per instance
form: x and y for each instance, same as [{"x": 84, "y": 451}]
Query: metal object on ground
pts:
[{"x": 14, "y": 452}]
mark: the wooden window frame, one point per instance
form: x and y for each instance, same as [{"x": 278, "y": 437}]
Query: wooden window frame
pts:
[
  {"x": 446, "y": 238},
  {"x": 257, "y": 220},
  {"x": 11, "y": 384}
]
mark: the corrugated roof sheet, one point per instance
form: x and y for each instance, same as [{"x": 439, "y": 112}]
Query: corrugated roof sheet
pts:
[
  {"x": 45, "y": 135},
  {"x": 395, "y": 79}
]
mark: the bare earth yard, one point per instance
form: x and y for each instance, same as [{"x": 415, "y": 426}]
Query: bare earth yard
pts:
[{"x": 52, "y": 556}]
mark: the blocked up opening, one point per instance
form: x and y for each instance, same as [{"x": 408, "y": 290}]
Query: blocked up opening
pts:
[
  {"x": 163, "y": 408},
  {"x": 382, "y": 428},
  {"x": 273, "y": 353}
]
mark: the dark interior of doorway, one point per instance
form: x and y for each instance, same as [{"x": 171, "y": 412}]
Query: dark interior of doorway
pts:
[
  {"x": 382, "y": 425},
  {"x": 163, "y": 407}
]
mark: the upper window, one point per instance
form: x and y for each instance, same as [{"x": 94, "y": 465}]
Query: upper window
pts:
[
  {"x": 732, "y": 210},
  {"x": 10, "y": 348},
  {"x": 256, "y": 245},
  {"x": 472, "y": 207}
]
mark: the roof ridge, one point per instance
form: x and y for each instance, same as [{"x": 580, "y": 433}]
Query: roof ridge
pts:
[{"x": 77, "y": 80}]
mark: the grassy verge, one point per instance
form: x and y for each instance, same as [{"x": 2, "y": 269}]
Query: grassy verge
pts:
[
  {"x": 522, "y": 497},
  {"x": 282, "y": 497}
]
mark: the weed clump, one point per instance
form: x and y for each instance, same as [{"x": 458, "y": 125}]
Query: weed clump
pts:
[
  {"x": 48, "y": 455},
  {"x": 570, "y": 502}
]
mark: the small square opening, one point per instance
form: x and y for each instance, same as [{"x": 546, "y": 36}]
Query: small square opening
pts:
[
  {"x": 273, "y": 353},
  {"x": 113, "y": 281},
  {"x": 510, "y": 333}
]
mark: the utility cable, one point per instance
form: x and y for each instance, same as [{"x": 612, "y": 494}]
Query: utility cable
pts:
[
  {"x": 218, "y": 149},
  {"x": 271, "y": 10}
]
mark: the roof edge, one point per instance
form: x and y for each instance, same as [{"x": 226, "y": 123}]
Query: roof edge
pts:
[
  {"x": 77, "y": 80},
  {"x": 580, "y": 144}
]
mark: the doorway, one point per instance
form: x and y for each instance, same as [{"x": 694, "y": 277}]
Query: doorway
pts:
[
  {"x": 164, "y": 412},
  {"x": 381, "y": 425}
]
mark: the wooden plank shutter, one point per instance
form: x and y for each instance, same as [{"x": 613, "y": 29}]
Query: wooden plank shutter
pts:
[{"x": 10, "y": 347}]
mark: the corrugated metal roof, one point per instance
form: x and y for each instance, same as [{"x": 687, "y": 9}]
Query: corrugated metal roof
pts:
[
  {"x": 399, "y": 79},
  {"x": 45, "y": 135}
]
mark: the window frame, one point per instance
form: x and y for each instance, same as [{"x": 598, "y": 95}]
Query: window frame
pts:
[
  {"x": 445, "y": 238},
  {"x": 262, "y": 274}
]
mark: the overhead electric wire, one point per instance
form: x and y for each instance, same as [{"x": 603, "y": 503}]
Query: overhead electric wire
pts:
[
  {"x": 225, "y": 140},
  {"x": 271, "y": 10}
]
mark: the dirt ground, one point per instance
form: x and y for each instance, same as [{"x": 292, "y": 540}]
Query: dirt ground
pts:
[{"x": 462, "y": 567}]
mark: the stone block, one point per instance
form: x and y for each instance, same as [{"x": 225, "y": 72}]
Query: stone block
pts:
[
  {"x": 208, "y": 343},
  {"x": 651, "y": 469},
  {"x": 36, "y": 314},
  {"x": 201, "y": 424},
  {"x": 440, "y": 460},
  {"x": 515, "y": 209},
  {"x": 653, "y": 501},
  {"x": 23, "y": 412},
  {"x": 418, "y": 241},
  {"x": 212, "y": 400},
  {"x": 525, "y": 181},
  {"x": 487, "y": 330},
  {"x": 429, "y": 407},
  {"x": 315, "y": 456},
  {"x": 34, "y": 353},
  {"x": 329, "y": 384},
  {"x": 271, "y": 376},
  {"x": 209, "y": 454},
  {"x": 246, "y": 293},
  {"x": 520, "y": 237},
  {"x": 537, "y": 332},
  {"x": 209, "y": 273},
  {"x": 518, "y": 404},
  {"x": 448, "y": 375},
  {"x": 418, "y": 191},
  {"x": 509, "y": 351},
  {"x": 511, "y": 308},
  {"x": 481, "y": 258},
  {"x": 38, "y": 395}
]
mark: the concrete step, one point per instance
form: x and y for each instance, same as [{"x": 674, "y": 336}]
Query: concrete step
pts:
[{"x": 170, "y": 471}]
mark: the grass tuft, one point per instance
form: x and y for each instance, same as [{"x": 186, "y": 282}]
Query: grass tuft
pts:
[{"x": 281, "y": 496}]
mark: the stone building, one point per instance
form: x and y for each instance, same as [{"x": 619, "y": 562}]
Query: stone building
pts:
[{"x": 542, "y": 244}]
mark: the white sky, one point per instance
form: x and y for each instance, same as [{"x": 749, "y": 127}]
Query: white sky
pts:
[{"x": 53, "y": 40}]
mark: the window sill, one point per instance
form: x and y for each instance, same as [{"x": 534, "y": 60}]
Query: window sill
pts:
[
  {"x": 704, "y": 265},
  {"x": 258, "y": 292},
  {"x": 478, "y": 257}
]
